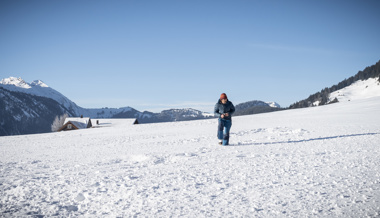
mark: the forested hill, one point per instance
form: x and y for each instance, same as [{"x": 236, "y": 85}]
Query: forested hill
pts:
[{"x": 323, "y": 96}]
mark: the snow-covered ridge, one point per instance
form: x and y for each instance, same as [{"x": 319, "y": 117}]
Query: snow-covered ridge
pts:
[
  {"x": 37, "y": 88},
  {"x": 17, "y": 82},
  {"x": 361, "y": 89},
  {"x": 39, "y": 83},
  {"x": 245, "y": 105},
  {"x": 20, "y": 83},
  {"x": 273, "y": 104},
  {"x": 187, "y": 112}
]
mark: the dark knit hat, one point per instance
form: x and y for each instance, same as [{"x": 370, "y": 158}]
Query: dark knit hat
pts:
[{"x": 223, "y": 96}]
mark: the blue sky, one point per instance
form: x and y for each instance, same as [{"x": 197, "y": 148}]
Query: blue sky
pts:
[{"x": 155, "y": 55}]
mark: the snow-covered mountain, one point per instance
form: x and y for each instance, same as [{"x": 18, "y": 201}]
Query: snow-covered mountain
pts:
[
  {"x": 357, "y": 83},
  {"x": 273, "y": 104},
  {"x": 184, "y": 114},
  {"x": 256, "y": 103},
  {"x": 31, "y": 107},
  {"x": 39, "y": 88},
  {"x": 22, "y": 113},
  {"x": 255, "y": 107},
  {"x": 18, "y": 113},
  {"x": 361, "y": 89}
]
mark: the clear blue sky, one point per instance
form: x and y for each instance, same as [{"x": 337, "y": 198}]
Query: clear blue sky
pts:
[{"x": 154, "y": 55}]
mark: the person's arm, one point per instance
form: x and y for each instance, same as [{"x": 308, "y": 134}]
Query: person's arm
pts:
[
  {"x": 216, "y": 110},
  {"x": 232, "y": 110}
]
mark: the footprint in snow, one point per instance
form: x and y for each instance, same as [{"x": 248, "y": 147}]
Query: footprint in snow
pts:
[
  {"x": 139, "y": 158},
  {"x": 187, "y": 154},
  {"x": 203, "y": 150},
  {"x": 102, "y": 189},
  {"x": 241, "y": 156},
  {"x": 80, "y": 197}
]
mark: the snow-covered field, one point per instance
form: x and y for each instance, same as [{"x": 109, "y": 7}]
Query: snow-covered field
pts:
[{"x": 314, "y": 162}]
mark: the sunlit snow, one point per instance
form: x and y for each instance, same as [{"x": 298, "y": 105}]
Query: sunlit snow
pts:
[
  {"x": 359, "y": 90},
  {"x": 321, "y": 161}
]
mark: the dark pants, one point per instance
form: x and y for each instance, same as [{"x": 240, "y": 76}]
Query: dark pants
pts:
[{"x": 224, "y": 127}]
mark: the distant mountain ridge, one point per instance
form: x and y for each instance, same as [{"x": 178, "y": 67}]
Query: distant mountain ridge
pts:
[
  {"x": 23, "y": 113},
  {"x": 39, "y": 88},
  {"x": 31, "y": 108},
  {"x": 256, "y": 107},
  {"x": 245, "y": 105}
]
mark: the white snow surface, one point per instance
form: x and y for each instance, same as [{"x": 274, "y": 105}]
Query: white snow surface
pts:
[{"x": 313, "y": 162}]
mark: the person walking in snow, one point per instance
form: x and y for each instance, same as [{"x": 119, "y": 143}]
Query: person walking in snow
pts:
[{"x": 224, "y": 110}]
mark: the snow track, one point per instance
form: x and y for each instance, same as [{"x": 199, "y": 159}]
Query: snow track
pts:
[{"x": 315, "y": 162}]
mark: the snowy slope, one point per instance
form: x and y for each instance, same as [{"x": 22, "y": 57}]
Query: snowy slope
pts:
[
  {"x": 273, "y": 104},
  {"x": 37, "y": 88},
  {"x": 313, "y": 162},
  {"x": 359, "y": 90}
]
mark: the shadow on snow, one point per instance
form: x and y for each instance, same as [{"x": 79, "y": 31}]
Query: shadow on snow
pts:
[{"x": 305, "y": 140}]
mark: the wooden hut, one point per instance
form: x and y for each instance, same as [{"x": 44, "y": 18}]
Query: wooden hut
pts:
[{"x": 73, "y": 123}]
